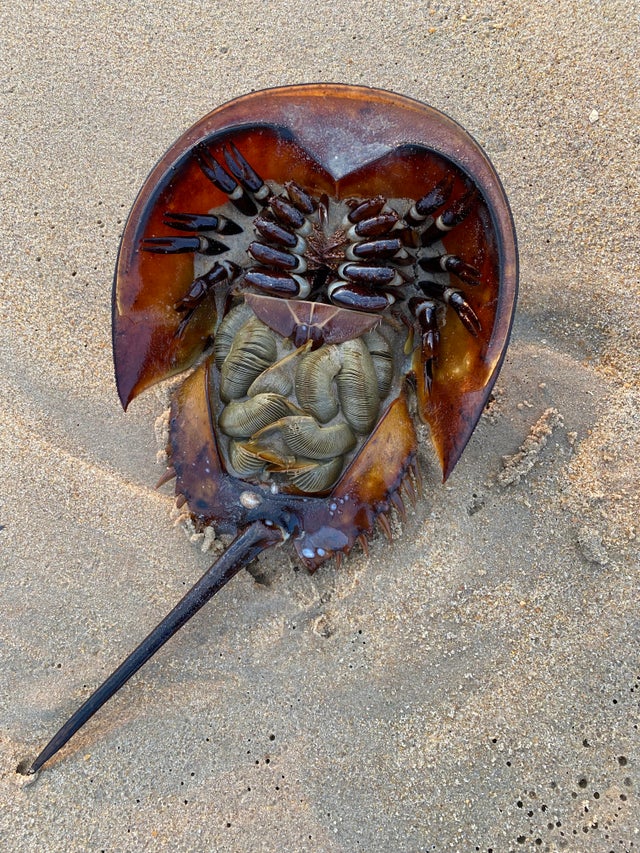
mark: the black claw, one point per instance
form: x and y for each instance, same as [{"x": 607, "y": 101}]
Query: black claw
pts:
[
  {"x": 454, "y": 214},
  {"x": 449, "y": 218},
  {"x": 230, "y": 228},
  {"x": 272, "y": 257},
  {"x": 452, "y": 264},
  {"x": 224, "y": 182},
  {"x": 465, "y": 312},
  {"x": 428, "y": 374},
  {"x": 201, "y": 222},
  {"x": 203, "y": 285},
  {"x": 299, "y": 197},
  {"x": 429, "y": 203},
  {"x": 359, "y": 297},
  {"x": 275, "y": 233},
  {"x": 456, "y": 300},
  {"x": 275, "y": 283},
  {"x": 372, "y": 276},
  {"x": 287, "y": 213},
  {"x": 242, "y": 171},
  {"x": 181, "y": 245},
  {"x": 425, "y": 312},
  {"x": 214, "y": 171},
  {"x": 366, "y": 209},
  {"x": 201, "y": 288}
]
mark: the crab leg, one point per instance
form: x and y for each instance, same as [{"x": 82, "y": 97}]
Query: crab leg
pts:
[
  {"x": 278, "y": 283},
  {"x": 375, "y": 226},
  {"x": 272, "y": 257},
  {"x": 299, "y": 197},
  {"x": 425, "y": 313},
  {"x": 181, "y": 245},
  {"x": 430, "y": 202},
  {"x": 453, "y": 264},
  {"x": 276, "y": 233},
  {"x": 365, "y": 209},
  {"x": 380, "y": 276},
  {"x": 361, "y": 297},
  {"x": 224, "y": 182},
  {"x": 245, "y": 547},
  {"x": 243, "y": 172},
  {"x": 202, "y": 285},
  {"x": 201, "y": 222},
  {"x": 456, "y": 300},
  {"x": 449, "y": 218}
]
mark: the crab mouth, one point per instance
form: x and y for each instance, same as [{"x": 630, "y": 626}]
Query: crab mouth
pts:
[{"x": 325, "y": 251}]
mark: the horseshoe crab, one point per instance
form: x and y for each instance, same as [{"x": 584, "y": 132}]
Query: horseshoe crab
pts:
[{"x": 309, "y": 257}]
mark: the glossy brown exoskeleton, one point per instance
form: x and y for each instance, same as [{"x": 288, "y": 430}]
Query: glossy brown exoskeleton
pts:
[{"x": 309, "y": 257}]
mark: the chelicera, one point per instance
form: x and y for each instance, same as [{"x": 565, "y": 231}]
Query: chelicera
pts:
[{"x": 320, "y": 262}]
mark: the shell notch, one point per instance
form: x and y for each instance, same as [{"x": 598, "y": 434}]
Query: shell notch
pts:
[{"x": 309, "y": 257}]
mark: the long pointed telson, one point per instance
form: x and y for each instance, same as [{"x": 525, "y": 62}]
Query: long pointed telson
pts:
[{"x": 245, "y": 547}]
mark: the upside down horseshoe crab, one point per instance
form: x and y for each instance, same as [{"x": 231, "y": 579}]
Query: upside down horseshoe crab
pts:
[{"x": 310, "y": 257}]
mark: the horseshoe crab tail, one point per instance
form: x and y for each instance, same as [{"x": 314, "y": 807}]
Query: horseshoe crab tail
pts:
[{"x": 244, "y": 548}]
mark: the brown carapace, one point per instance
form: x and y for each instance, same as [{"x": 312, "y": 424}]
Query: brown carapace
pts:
[{"x": 310, "y": 257}]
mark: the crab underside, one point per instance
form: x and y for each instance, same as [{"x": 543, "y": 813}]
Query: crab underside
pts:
[{"x": 320, "y": 262}]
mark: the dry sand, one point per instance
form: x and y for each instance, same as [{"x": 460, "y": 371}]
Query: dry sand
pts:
[{"x": 475, "y": 685}]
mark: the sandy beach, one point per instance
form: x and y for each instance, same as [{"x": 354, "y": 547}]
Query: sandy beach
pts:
[{"x": 473, "y": 685}]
